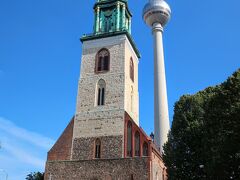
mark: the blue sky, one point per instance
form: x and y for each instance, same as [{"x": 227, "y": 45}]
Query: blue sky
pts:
[{"x": 40, "y": 61}]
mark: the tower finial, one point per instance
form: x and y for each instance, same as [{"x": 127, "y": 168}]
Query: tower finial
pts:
[{"x": 112, "y": 16}]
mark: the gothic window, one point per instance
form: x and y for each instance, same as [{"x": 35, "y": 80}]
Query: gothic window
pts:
[
  {"x": 129, "y": 139},
  {"x": 102, "y": 61},
  {"x": 97, "y": 148},
  {"x": 137, "y": 144},
  {"x": 101, "y": 89},
  {"x": 145, "y": 149},
  {"x": 131, "y": 70}
]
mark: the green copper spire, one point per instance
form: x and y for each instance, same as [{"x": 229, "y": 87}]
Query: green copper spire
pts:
[{"x": 112, "y": 16}]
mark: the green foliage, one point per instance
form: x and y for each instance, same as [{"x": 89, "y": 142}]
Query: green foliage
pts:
[
  {"x": 35, "y": 176},
  {"x": 204, "y": 142}
]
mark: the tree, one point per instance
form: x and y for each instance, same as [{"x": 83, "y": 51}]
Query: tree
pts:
[
  {"x": 35, "y": 176},
  {"x": 204, "y": 141}
]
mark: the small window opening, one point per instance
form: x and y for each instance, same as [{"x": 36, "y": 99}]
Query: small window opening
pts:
[
  {"x": 137, "y": 144},
  {"x": 132, "y": 177},
  {"x": 98, "y": 149},
  {"x": 101, "y": 92},
  {"x": 129, "y": 139},
  {"x": 131, "y": 70},
  {"x": 145, "y": 149}
]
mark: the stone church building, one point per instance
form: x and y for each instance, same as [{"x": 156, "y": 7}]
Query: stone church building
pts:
[{"x": 104, "y": 141}]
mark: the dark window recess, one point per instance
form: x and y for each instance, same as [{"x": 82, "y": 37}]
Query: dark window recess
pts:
[
  {"x": 108, "y": 24},
  {"x": 98, "y": 149},
  {"x": 132, "y": 177},
  {"x": 102, "y": 99},
  {"x": 100, "y": 61},
  {"x": 106, "y": 63},
  {"x": 145, "y": 149},
  {"x": 131, "y": 70},
  {"x": 99, "y": 99},
  {"x": 129, "y": 139},
  {"x": 137, "y": 144}
]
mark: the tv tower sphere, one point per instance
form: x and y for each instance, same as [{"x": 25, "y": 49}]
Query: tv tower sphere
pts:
[
  {"x": 156, "y": 14},
  {"x": 156, "y": 11}
]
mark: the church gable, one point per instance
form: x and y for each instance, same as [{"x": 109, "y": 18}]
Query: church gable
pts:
[{"x": 61, "y": 150}]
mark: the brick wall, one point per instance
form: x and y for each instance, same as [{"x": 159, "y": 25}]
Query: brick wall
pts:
[
  {"x": 143, "y": 137},
  {"x": 62, "y": 148},
  {"x": 158, "y": 169}
]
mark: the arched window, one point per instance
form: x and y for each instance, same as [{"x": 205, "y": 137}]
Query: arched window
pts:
[
  {"x": 101, "y": 89},
  {"x": 145, "y": 149},
  {"x": 131, "y": 70},
  {"x": 102, "y": 61},
  {"x": 129, "y": 139},
  {"x": 137, "y": 144},
  {"x": 108, "y": 23},
  {"x": 97, "y": 148}
]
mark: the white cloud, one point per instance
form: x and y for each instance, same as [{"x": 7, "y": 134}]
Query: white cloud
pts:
[
  {"x": 24, "y": 156},
  {"x": 22, "y": 151},
  {"x": 23, "y": 134}
]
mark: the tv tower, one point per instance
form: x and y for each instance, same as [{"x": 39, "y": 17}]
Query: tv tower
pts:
[{"x": 156, "y": 14}]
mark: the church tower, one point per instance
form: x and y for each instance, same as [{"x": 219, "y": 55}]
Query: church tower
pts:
[
  {"x": 103, "y": 141},
  {"x": 108, "y": 85}
]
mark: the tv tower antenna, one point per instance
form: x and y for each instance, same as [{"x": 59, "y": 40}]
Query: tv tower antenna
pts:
[{"x": 156, "y": 14}]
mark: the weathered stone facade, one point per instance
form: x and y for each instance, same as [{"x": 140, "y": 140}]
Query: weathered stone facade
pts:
[
  {"x": 113, "y": 164},
  {"x": 95, "y": 144},
  {"x": 105, "y": 122},
  {"x": 92, "y": 121},
  {"x": 102, "y": 169},
  {"x": 111, "y": 147}
]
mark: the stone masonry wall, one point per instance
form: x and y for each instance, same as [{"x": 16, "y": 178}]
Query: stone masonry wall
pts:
[
  {"x": 99, "y": 122},
  {"x": 84, "y": 148},
  {"x": 108, "y": 120},
  {"x": 114, "y": 78},
  {"x": 113, "y": 169},
  {"x": 131, "y": 87},
  {"x": 118, "y": 88}
]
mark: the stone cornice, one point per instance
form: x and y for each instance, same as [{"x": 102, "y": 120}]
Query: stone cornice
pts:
[{"x": 110, "y": 34}]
